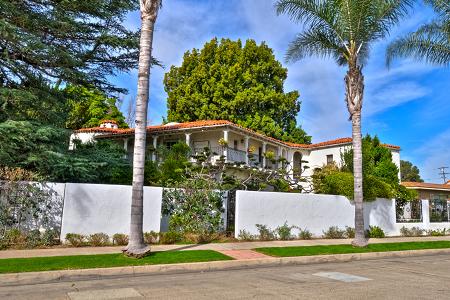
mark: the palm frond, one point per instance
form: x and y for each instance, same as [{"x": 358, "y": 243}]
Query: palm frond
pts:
[
  {"x": 429, "y": 43},
  {"x": 316, "y": 41}
]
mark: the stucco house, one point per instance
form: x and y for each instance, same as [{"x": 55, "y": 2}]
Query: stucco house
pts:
[{"x": 243, "y": 145}]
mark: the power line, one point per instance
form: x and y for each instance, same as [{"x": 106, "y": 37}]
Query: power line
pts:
[{"x": 443, "y": 174}]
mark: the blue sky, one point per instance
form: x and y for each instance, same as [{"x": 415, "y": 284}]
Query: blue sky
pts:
[{"x": 407, "y": 105}]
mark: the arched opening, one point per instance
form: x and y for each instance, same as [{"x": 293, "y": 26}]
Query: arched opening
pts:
[{"x": 297, "y": 163}]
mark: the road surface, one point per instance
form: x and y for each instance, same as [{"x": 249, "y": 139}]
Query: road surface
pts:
[{"x": 426, "y": 277}]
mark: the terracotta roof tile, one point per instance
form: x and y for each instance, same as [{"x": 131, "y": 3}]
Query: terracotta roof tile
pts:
[
  {"x": 211, "y": 123},
  {"x": 424, "y": 185}
]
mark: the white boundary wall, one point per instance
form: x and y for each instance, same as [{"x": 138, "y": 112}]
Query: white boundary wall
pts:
[
  {"x": 317, "y": 213},
  {"x": 92, "y": 208}
]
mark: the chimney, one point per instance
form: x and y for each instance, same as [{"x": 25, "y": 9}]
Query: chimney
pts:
[{"x": 109, "y": 124}]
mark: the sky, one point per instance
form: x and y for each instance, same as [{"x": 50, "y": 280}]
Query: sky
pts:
[{"x": 406, "y": 105}]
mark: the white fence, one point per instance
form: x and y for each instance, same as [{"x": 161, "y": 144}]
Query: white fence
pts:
[
  {"x": 92, "y": 208},
  {"x": 317, "y": 213}
]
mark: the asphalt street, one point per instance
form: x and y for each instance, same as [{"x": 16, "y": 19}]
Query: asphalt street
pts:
[{"x": 426, "y": 277}]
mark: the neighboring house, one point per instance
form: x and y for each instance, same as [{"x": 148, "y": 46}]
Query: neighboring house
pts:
[
  {"x": 438, "y": 196},
  {"x": 243, "y": 146}
]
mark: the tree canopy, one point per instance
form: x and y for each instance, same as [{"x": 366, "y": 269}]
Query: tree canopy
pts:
[
  {"x": 379, "y": 171},
  {"x": 409, "y": 172},
  {"x": 88, "y": 107},
  {"x": 52, "y": 55},
  {"x": 240, "y": 83}
]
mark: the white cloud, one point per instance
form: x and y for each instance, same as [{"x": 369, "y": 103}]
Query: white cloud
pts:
[{"x": 434, "y": 154}]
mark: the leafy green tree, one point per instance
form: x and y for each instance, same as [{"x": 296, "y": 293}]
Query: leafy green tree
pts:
[
  {"x": 379, "y": 171},
  {"x": 44, "y": 150},
  {"x": 377, "y": 160},
  {"x": 241, "y": 83},
  {"x": 344, "y": 30},
  {"x": 52, "y": 42},
  {"x": 88, "y": 107},
  {"x": 409, "y": 172},
  {"x": 430, "y": 43}
]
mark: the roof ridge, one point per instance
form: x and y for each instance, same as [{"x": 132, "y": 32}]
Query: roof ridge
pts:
[{"x": 205, "y": 123}]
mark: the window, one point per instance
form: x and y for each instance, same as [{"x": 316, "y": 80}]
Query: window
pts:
[
  {"x": 439, "y": 208},
  {"x": 169, "y": 144},
  {"x": 235, "y": 145},
  {"x": 330, "y": 159}
]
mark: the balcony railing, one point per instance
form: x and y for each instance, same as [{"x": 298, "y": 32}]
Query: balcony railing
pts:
[{"x": 234, "y": 155}]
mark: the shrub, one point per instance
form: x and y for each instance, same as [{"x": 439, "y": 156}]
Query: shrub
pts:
[
  {"x": 414, "y": 231},
  {"x": 33, "y": 239},
  {"x": 120, "y": 239},
  {"x": 15, "y": 238},
  {"x": 437, "y": 232},
  {"x": 195, "y": 206},
  {"x": 151, "y": 237},
  {"x": 244, "y": 235},
  {"x": 98, "y": 239},
  {"x": 75, "y": 240},
  {"x": 284, "y": 232},
  {"x": 349, "y": 232},
  {"x": 170, "y": 237},
  {"x": 50, "y": 237},
  {"x": 265, "y": 233},
  {"x": 334, "y": 233},
  {"x": 304, "y": 234},
  {"x": 375, "y": 232},
  {"x": 195, "y": 238}
]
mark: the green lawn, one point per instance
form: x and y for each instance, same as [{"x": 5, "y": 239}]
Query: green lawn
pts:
[
  {"x": 342, "y": 249},
  {"x": 17, "y": 265}
]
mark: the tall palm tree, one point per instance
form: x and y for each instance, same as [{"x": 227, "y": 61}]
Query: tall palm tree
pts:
[
  {"x": 149, "y": 12},
  {"x": 344, "y": 30},
  {"x": 431, "y": 42}
]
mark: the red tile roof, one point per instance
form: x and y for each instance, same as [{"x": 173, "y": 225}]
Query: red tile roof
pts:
[
  {"x": 214, "y": 123},
  {"x": 424, "y": 185}
]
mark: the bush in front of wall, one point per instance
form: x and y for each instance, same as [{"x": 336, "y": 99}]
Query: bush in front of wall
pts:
[
  {"x": 75, "y": 239},
  {"x": 437, "y": 232},
  {"x": 265, "y": 233},
  {"x": 98, "y": 239},
  {"x": 334, "y": 233},
  {"x": 244, "y": 235},
  {"x": 304, "y": 234},
  {"x": 120, "y": 239},
  {"x": 414, "y": 231},
  {"x": 170, "y": 237},
  {"x": 375, "y": 232},
  {"x": 151, "y": 237},
  {"x": 349, "y": 232},
  {"x": 15, "y": 238},
  {"x": 284, "y": 232}
]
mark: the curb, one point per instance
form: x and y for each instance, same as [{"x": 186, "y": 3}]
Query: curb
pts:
[{"x": 28, "y": 278}]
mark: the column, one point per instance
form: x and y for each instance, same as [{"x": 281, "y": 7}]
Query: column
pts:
[
  {"x": 188, "y": 139},
  {"x": 290, "y": 165},
  {"x": 247, "y": 160},
  {"x": 155, "y": 145},
  {"x": 264, "y": 149},
  {"x": 279, "y": 155},
  {"x": 125, "y": 147},
  {"x": 225, "y": 148}
]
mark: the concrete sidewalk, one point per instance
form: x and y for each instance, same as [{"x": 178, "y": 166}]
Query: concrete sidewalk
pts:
[{"x": 217, "y": 247}]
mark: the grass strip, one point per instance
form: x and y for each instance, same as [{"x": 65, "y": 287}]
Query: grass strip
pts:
[
  {"x": 34, "y": 264},
  {"x": 343, "y": 249}
]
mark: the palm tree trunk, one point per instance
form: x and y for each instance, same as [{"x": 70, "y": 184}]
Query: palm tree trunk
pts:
[
  {"x": 355, "y": 91},
  {"x": 136, "y": 246}
]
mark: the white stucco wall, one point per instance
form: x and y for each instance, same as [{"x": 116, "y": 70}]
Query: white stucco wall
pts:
[
  {"x": 317, "y": 213},
  {"x": 84, "y": 137},
  {"x": 317, "y": 158},
  {"x": 92, "y": 208},
  {"x": 313, "y": 212}
]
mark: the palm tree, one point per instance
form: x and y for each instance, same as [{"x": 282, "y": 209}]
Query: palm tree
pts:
[
  {"x": 149, "y": 12},
  {"x": 431, "y": 42},
  {"x": 344, "y": 30}
]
